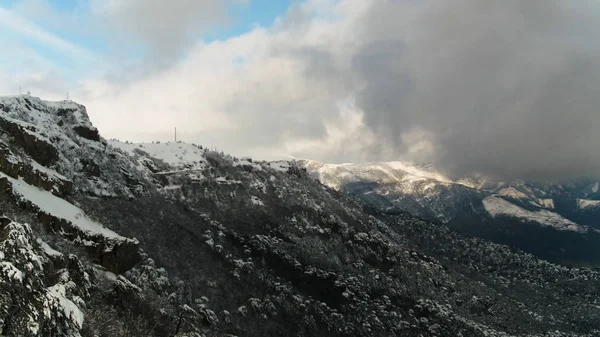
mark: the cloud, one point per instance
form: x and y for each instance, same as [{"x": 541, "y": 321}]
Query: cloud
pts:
[
  {"x": 254, "y": 92},
  {"x": 507, "y": 88},
  {"x": 504, "y": 88},
  {"x": 162, "y": 29}
]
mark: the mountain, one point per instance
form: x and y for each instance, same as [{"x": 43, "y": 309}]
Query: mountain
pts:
[
  {"x": 105, "y": 238},
  {"x": 557, "y": 222}
]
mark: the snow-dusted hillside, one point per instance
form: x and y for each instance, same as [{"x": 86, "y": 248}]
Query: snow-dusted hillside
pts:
[
  {"x": 425, "y": 192},
  {"x": 584, "y": 203},
  {"x": 103, "y": 238},
  {"x": 57, "y": 207},
  {"x": 559, "y": 222},
  {"x": 497, "y": 206},
  {"x": 176, "y": 154},
  {"x": 408, "y": 176}
]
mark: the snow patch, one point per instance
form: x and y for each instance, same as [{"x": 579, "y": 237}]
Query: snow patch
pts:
[
  {"x": 178, "y": 155},
  {"x": 280, "y": 165},
  {"x": 246, "y": 161},
  {"x": 171, "y": 187},
  {"x": 417, "y": 172},
  {"x": 585, "y": 203},
  {"x": 496, "y": 206},
  {"x": 49, "y": 172},
  {"x": 512, "y": 192},
  {"x": 47, "y": 249},
  {"x": 223, "y": 180},
  {"x": 51, "y": 204},
  {"x": 10, "y": 271},
  {"x": 546, "y": 203},
  {"x": 256, "y": 201},
  {"x": 58, "y": 293}
]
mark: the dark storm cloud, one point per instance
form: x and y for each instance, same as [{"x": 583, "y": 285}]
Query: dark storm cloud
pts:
[{"x": 509, "y": 88}]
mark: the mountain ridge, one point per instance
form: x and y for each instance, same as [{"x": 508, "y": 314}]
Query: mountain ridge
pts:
[
  {"x": 473, "y": 201},
  {"x": 206, "y": 244}
]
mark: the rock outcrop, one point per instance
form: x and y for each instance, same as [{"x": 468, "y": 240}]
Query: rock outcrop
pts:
[{"x": 27, "y": 138}]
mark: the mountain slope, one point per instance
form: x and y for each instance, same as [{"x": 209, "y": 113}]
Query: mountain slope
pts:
[
  {"x": 562, "y": 218},
  {"x": 173, "y": 239}
]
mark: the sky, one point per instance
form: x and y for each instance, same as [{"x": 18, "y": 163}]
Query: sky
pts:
[{"x": 503, "y": 88}]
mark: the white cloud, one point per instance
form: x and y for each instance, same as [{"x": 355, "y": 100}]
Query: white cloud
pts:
[
  {"x": 470, "y": 85},
  {"x": 162, "y": 29},
  {"x": 257, "y": 93}
]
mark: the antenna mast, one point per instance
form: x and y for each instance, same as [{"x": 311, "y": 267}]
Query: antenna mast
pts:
[{"x": 175, "y": 134}]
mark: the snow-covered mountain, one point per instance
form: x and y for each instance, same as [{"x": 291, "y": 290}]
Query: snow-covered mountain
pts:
[
  {"x": 468, "y": 203},
  {"x": 105, "y": 238}
]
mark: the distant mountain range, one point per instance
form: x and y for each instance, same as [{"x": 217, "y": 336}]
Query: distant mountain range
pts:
[{"x": 558, "y": 222}]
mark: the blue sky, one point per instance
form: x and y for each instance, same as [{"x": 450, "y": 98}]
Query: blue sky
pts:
[
  {"x": 59, "y": 20},
  {"x": 245, "y": 17}
]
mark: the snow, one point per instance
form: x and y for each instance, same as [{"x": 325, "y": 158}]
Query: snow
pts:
[
  {"x": 280, "y": 165},
  {"x": 596, "y": 187},
  {"x": 496, "y": 206},
  {"x": 178, "y": 155},
  {"x": 512, "y": 192},
  {"x": 49, "y": 203},
  {"x": 10, "y": 271},
  {"x": 259, "y": 185},
  {"x": 223, "y": 180},
  {"x": 109, "y": 275},
  {"x": 78, "y": 111},
  {"x": 47, "y": 249},
  {"x": 171, "y": 187},
  {"x": 43, "y": 118},
  {"x": 417, "y": 172},
  {"x": 49, "y": 172},
  {"x": 409, "y": 178},
  {"x": 70, "y": 310},
  {"x": 164, "y": 173},
  {"x": 546, "y": 203},
  {"x": 585, "y": 203},
  {"x": 256, "y": 201},
  {"x": 41, "y": 115},
  {"x": 246, "y": 161},
  {"x": 391, "y": 174}
]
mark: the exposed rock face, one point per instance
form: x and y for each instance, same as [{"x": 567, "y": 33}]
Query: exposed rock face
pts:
[
  {"x": 13, "y": 167},
  {"x": 88, "y": 133},
  {"x": 115, "y": 254},
  {"x": 123, "y": 255},
  {"x": 27, "y": 138}
]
